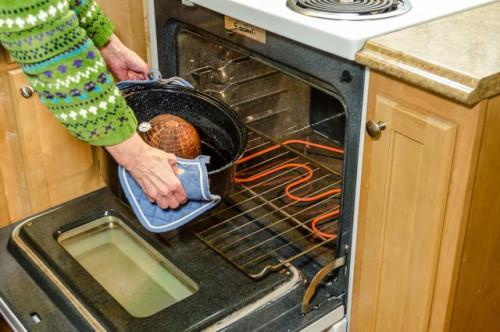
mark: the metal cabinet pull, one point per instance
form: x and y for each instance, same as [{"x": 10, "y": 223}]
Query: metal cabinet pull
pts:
[
  {"x": 27, "y": 91},
  {"x": 374, "y": 129}
]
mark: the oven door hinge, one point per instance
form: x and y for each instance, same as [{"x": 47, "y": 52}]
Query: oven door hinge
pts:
[{"x": 311, "y": 289}]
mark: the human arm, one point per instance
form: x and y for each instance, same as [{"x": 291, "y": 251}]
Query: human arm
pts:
[{"x": 70, "y": 76}]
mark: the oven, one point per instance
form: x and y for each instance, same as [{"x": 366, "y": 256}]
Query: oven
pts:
[
  {"x": 293, "y": 205},
  {"x": 276, "y": 253}
]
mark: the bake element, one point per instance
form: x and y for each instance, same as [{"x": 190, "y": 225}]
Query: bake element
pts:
[{"x": 173, "y": 134}]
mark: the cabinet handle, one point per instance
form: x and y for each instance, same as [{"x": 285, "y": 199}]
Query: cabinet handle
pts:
[
  {"x": 27, "y": 91},
  {"x": 374, "y": 129}
]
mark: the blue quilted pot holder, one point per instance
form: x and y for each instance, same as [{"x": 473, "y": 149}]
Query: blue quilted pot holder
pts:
[{"x": 194, "y": 179}]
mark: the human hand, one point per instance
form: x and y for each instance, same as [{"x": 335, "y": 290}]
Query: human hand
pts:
[
  {"x": 124, "y": 63},
  {"x": 154, "y": 170}
]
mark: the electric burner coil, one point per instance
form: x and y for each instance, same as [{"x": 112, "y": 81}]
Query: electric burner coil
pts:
[{"x": 350, "y": 9}]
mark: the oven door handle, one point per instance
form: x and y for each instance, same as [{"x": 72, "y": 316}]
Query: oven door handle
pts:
[{"x": 311, "y": 289}]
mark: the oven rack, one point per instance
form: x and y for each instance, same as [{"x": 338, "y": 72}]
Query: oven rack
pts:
[{"x": 260, "y": 228}]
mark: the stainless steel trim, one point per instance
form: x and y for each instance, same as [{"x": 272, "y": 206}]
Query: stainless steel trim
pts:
[
  {"x": 93, "y": 322},
  {"x": 284, "y": 289},
  {"x": 10, "y": 317},
  {"x": 403, "y": 8}
]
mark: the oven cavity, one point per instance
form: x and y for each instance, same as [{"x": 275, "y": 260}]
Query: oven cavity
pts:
[{"x": 286, "y": 204}]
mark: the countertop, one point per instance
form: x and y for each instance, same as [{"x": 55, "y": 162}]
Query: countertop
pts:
[{"x": 457, "y": 57}]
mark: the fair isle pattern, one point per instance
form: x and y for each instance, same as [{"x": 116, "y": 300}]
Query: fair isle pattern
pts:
[
  {"x": 90, "y": 12},
  {"x": 32, "y": 68},
  {"x": 71, "y": 80},
  {"x": 66, "y": 100},
  {"x": 47, "y": 48},
  {"x": 29, "y": 40},
  {"x": 39, "y": 17},
  {"x": 93, "y": 20},
  {"x": 50, "y": 41},
  {"x": 92, "y": 110}
]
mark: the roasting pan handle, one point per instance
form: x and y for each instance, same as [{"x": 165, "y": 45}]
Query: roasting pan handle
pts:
[{"x": 155, "y": 77}]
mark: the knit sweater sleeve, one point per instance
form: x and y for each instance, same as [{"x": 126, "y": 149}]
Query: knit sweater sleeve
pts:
[
  {"x": 98, "y": 26},
  {"x": 66, "y": 70}
]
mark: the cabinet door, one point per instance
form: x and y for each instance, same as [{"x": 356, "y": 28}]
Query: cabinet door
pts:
[
  {"x": 57, "y": 167},
  {"x": 405, "y": 183},
  {"x": 129, "y": 19},
  {"x": 14, "y": 198}
]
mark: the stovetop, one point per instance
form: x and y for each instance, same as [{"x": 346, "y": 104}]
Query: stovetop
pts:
[{"x": 340, "y": 37}]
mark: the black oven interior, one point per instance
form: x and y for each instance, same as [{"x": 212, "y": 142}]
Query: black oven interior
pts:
[
  {"x": 283, "y": 91},
  {"x": 266, "y": 98},
  {"x": 287, "y": 198},
  {"x": 287, "y": 94}
]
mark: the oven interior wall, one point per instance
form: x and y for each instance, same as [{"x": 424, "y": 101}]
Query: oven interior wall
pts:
[
  {"x": 272, "y": 102},
  {"x": 276, "y": 107}
]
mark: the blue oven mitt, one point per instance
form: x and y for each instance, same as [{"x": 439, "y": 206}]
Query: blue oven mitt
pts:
[{"x": 194, "y": 179}]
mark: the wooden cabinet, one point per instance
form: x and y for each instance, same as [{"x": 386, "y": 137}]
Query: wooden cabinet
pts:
[
  {"x": 130, "y": 20},
  {"x": 415, "y": 209},
  {"x": 42, "y": 164}
]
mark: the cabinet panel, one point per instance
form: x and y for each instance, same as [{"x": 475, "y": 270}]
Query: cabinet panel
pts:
[
  {"x": 129, "y": 18},
  {"x": 14, "y": 194},
  {"x": 477, "y": 303},
  {"x": 409, "y": 173},
  {"x": 42, "y": 165},
  {"x": 57, "y": 166}
]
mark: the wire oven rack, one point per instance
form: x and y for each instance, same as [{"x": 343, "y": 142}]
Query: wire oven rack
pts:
[{"x": 258, "y": 227}]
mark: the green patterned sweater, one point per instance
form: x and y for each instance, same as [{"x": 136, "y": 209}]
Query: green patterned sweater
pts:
[{"x": 56, "y": 43}]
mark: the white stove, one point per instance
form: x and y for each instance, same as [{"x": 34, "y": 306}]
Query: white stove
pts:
[{"x": 342, "y": 33}]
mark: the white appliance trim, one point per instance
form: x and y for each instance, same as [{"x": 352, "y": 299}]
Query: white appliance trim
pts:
[
  {"x": 153, "y": 45},
  {"x": 364, "y": 111}
]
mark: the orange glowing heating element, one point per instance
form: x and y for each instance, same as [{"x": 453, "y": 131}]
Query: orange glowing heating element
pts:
[{"x": 308, "y": 175}]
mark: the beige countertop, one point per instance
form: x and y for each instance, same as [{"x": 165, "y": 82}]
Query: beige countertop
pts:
[{"x": 457, "y": 56}]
